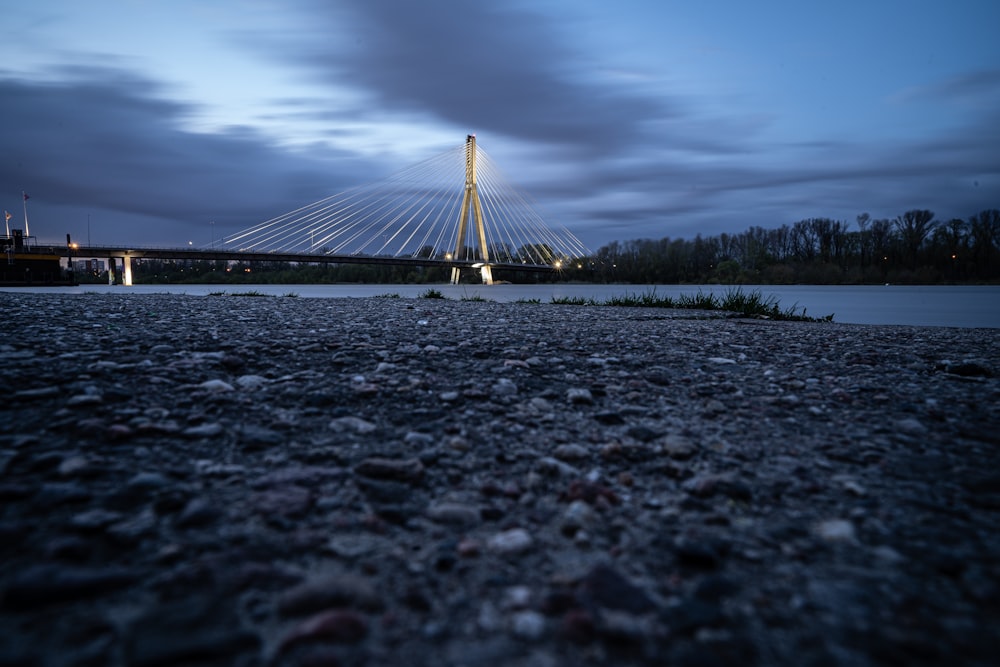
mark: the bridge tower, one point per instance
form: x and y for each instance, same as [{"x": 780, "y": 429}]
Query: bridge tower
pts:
[{"x": 471, "y": 200}]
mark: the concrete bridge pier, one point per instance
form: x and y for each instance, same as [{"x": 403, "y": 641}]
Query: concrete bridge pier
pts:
[
  {"x": 124, "y": 276},
  {"x": 127, "y": 261}
]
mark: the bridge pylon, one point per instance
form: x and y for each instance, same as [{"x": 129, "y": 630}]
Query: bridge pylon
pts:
[{"x": 470, "y": 200}]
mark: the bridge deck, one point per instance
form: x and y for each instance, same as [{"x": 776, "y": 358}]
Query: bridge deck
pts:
[{"x": 299, "y": 258}]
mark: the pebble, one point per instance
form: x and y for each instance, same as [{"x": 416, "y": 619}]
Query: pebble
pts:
[
  {"x": 409, "y": 470},
  {"x": 528, "y": 625},
  {"x": 321, "y": 481},
  {"x": 836, "y": 530},
  {"x": 352, "y": 425},
  {"x": 513, "y": 541},
  {"x": 571, "y": 452},
  {"x": 453, "y": 513}
]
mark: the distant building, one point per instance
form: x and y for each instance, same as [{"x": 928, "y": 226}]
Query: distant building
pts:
[{"x": 95, "y": 266}]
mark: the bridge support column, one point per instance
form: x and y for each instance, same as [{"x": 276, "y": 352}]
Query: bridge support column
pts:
[
  {"x": 456, "y": 275},
  {"x": 471, "y": 200},
  {"x": 127, "y": 262},
  {"x": 112, "y": 270}
]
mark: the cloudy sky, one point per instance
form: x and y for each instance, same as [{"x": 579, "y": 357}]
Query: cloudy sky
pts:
[{"x": 167, "y": 121}]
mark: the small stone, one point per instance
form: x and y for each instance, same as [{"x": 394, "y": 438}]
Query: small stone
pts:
[
  {"x": 678, "y": 447},
  {"x": 206, "y": 430},
  {"x": 513, "y": 541},
  {"x": 216, "y": 386},
  {"x": 81, "y": 400},
  {"x": 449, "y": 396},
  {"x": 836, "y": 530},
  {"x": 148, "y": 481},
  {"x": 578, "y": 516},
  {"x": 721, "y": 360},
  {"x": 336, "y": 625},
  {"x": 714, "y": 407},
  {"x": 579, "y": 396},
  {"x": 551, "y": 466},
  {"x": 607, "y": 588},
  {"x": 609, "y": 418},
  {"x": 516, "y": 597},
  {"x": 286, "y": 501},
  {"x": 197, "y": 512},
  {"x": 528, "y": 624},
  {"x": 326, "y": 593},
  {"x": 571, "y": 452},
  {"x": 352, "y": 425},
  {"x": 540, "y": 404},
  {"x": 453, "y": 513},
  {"x": 95, "y": 519},
  {"x": 134, "y": 529},
  {"x": 888, "y": 555},
  {"x": 407, "y": 470},
  {"x": 354, "y": 546},
  {"x": 911, "y": 426},
  {"x": 258, "y": 437},
  {"x": 469, "y": 548},
  {"x": 251, "y": 382},
  {"x": 504, "y": 387},
  {"x": 75, "y": 466}
]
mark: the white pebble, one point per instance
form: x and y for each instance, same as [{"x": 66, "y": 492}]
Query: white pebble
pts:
[
  {"x": 836, "y": 530},
  {"x": 216, "y": 386},
  {"x": 528, "y": 624},
  {"x": 513, "y": 541}
]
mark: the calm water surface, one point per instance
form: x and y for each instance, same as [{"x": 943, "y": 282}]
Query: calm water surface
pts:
[{"x": 934, "y": 305}]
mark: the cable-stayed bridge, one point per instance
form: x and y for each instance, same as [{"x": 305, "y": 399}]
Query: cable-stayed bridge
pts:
[
  {"x": 455, "y": 210},
  {"x": 456, "y": 206}
]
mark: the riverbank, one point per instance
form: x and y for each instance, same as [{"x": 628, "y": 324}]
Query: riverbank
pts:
[
  {"x": 969, "y": 306},
  {"x": 280, "y": 481}
]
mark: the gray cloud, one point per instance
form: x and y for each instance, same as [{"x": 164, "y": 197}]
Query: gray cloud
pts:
[
  {"x": 480, "y": 66},
  {"x": 108, "y": 141},
  {"x": 609, "y": 161}
]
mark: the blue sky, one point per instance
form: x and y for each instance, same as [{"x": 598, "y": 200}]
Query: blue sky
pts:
[{"x": 167, "y": 121}]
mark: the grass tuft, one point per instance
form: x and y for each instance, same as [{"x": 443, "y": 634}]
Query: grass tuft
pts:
[
  {"x": 432, "y": 294},
  {"x": 574, "y": 301},
  {"x": 744, "y": 304},
  {"x": 247, "y": 293}
]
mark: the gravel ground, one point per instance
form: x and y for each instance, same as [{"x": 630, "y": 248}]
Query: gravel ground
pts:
[{"x": 232, "y": 480}]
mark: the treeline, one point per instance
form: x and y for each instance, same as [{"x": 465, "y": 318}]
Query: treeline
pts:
[{"x": 915, "y": 247}]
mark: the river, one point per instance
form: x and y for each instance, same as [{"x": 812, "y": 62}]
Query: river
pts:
[{"x": 920, "y": 305}]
